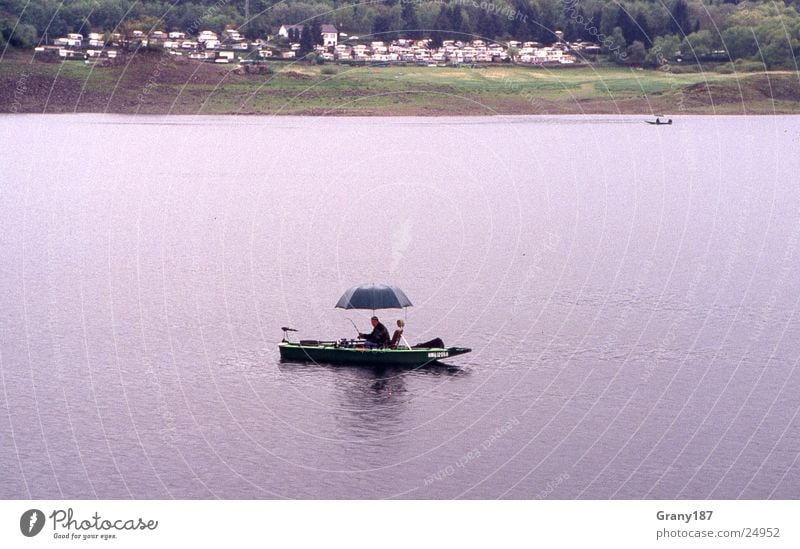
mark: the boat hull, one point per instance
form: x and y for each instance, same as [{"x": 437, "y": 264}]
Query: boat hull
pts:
[{"x": 294, "y": 352}]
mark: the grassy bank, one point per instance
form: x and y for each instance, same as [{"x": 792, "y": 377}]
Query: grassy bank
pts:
[{"x": 159, "y": 84}]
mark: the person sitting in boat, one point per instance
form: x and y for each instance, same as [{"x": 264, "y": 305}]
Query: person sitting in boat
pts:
[
  {"x": 379, "y": 337},
  {"x": 398, "y": 333}
]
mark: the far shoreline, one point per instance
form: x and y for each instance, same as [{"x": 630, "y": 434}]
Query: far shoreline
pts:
[
  {"x": 642, "y": 116},
  {"x": 151, "y": 85}
]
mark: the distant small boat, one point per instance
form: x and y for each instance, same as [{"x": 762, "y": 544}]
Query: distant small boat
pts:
[{"x": 659, "y": 122}]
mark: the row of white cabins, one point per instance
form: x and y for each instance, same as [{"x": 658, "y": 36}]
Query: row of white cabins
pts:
[
  {"x": 207, "y": 45},
  {"x": 453, "y": 52}
]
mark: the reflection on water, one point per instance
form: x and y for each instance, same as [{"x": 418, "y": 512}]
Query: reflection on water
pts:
[
  {"x": 630, "y": 296},
  {"x": 370, "y": 401}
]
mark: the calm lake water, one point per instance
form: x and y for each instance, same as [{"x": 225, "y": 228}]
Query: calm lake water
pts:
[{"x": 631, "y": 294}]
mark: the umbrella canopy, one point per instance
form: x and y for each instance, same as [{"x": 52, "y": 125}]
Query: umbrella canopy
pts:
[{"x": 374, "y": 296}]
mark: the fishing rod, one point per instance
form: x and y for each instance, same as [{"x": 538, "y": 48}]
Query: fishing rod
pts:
[{"x": 354, "y": 325}]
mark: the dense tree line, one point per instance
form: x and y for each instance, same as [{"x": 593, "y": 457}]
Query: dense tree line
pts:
[{"x": 636, "y": 31}]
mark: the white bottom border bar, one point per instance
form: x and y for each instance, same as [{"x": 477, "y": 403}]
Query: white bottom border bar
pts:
[{"x": 399, "y": 524}]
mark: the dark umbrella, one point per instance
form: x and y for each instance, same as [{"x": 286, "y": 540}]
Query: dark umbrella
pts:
[{"x": 374, "y": 296}]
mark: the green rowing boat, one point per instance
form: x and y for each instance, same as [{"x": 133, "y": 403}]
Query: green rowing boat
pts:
[
  {"x": 361, "y": 352},
  {"x": 350, "y": 352}
]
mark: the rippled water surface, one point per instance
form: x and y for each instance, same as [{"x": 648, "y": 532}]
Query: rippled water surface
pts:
[{"x": 630, "y": 292}]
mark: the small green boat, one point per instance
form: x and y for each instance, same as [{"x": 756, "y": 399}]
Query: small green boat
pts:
[
  {"x": 361, "y": 352},
  {"x": 353, "y": 352}
]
